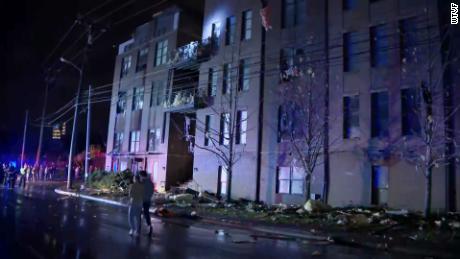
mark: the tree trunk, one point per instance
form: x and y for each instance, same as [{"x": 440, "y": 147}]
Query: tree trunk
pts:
[
  {"x": 229, "y": 184},
  {"x": 428, "y": 183},
  {"x": 307, "y": 185}
]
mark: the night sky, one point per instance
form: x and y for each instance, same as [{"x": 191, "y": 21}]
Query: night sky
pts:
[{"x": 31, "y": 31}]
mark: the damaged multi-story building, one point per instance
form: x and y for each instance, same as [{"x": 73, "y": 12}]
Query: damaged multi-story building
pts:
[{"x": 185, "y": 107}]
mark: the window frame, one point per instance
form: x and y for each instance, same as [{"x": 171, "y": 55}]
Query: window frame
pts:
[
  {"x": 134, "y": 141},
  {"x": 246, "y": 25},
  {"x": 230, "y": 30},
  {"x": 290, "y": 180},
  {"x": 350, "y": 116},
  {"x": 161, "y": 52}
]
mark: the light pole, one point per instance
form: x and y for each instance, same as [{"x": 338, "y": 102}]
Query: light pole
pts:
[
  {"x": 88, "y": 129},
  {"x": 74, "y": 125}
]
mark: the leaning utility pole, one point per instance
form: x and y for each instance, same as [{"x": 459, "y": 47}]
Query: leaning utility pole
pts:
[
  {"x": 42, "y": 124},
  {"x": 77, "y": 102},
  {"x": 88, "y": 128},
  {"x": 24, "y": 138}
]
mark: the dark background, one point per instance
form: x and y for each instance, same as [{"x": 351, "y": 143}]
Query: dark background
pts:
[{"x": 31, "y": 30}]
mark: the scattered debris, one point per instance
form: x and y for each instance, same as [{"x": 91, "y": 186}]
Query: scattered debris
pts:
[
  {"x": 316, "y": 206},
  {"x": 316, "y": 253}
]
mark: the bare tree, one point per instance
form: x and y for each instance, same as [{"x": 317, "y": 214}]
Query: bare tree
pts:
[
  {"x": 301, "y": 122},
  {"x": 427, "y": 136},
  {"x": 227, "y": 141}
]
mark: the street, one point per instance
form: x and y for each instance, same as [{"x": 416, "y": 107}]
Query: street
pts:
[{"x": 38, "y": 223}]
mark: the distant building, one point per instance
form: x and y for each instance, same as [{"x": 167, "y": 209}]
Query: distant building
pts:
[{"x": 170, "y": 87}]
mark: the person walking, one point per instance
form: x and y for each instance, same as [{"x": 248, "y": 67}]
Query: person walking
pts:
[
  {"x": 136, "y": 195},
  {"x": 47, "y": 169},
  {"x": 23, "y": 176},
  {"x": 147, "y": 198}
]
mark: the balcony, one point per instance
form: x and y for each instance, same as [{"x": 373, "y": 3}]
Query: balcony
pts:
[
  {"x": 194, "y": 53},
  {"x": 187, "y": 99}
]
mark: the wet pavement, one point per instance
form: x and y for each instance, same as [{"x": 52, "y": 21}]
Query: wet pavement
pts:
[{"x": 38, "y": 223}]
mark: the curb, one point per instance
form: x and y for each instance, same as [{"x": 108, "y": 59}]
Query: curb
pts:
[{"x": 88, "y": 197}]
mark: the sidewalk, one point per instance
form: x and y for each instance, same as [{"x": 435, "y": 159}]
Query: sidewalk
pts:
[{"x": 362, "y": 240}]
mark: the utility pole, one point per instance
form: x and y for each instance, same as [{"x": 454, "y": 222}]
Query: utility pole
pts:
[
  {"x": 326, "y": 104},
  {"x": 88, "y": 128},
  {"x": 77, "y": 102},
  {"x": 24, "y": 138},
  {"x": 42, "y": 124}
]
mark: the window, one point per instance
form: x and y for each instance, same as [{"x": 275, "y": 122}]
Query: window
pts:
[
  {"x": 350, "y": 51},
  {"x": 215, "y": 31},
  {"x": 410, "y": 104},
  {"x": 121, "y": 103},
  {"x": 351, "y": 116},
  {"x": 222, "y": 184},
  {"x": 117, "y": 141},
  {"x": 293, "y": 12},
  {"x": 157, "y": 93},
  {"x": 243, "y": 80},
  {"x": 138, "y": 98},
  {"x": 230, "y": 29},
  {"x": 246, "y": 25},
  {"x": 379, "y": 114},
  {"x": 212, "y": 82},
  {"x": 134, "y": 141},
  {"x": 408, "y": 40},
  {"x": 290, "y": 180},
  {"x": 153, "y": 139},
  {"x": 125, "y": 66},
  {"x": 161, "y": 50},
  {"x": 225, "y": 128},
  {"x": 142, "y": 59},
  {"x": 163, "y": 24},
  {"x": 350, "y": 4},
  {"x": 380, "y": 43},
  {"x": 226, "y": 81},
  {"x": 241, "y": 127},
  {"x": 207, "y": 129},
  {"x": 291, "y": 60},
  {"x": 163, "y": 129}
]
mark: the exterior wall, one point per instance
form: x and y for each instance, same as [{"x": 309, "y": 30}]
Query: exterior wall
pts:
[
  {"x": 205, "y": 164},
  {"x": 151, "y": 116}
]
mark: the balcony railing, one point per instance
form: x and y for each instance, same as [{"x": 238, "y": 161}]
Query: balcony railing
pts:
[
  {"x": 186, "y": 99},
  {"x": 194, "y": 52}
]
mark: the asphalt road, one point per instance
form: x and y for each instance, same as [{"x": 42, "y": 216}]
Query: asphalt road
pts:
[{"x": 38, "y": 223}]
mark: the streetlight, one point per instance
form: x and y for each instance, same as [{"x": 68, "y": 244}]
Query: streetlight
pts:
[{"x": 74, "y": 125}]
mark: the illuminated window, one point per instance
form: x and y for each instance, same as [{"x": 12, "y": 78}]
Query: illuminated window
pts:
[
  {"x": 243, "y": 80},
  {"x": 290, "y": 180},
  {"x": 117, "y": 141},
  {"x": 222, "y": 185},
  {"x": 241, "y": 127},
  {"x": 121, "y": 103},
  {"x": 225, "y": 128},
  {"x": 161, "y": 51},
  {"x": 125, "y": 66},
  {"x": 138, "y": 98},
  {"x": 207, "y": 129},
  {"x": 230, "y": 30},
  {"x": 154, "y": 136},
  {"x": 134, "y": 141},
  {"x": 246, "y": 25}
]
